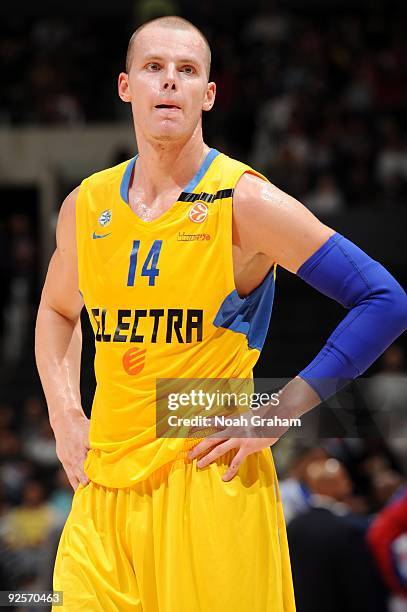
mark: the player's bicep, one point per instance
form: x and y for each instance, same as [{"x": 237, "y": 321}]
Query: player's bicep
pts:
[
  {"x": 277, "y": 224},
  {"x": 61, "y": 287},
  {"x": 61, "y": 292}
]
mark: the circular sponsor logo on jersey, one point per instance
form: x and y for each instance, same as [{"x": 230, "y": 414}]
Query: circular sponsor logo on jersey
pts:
[
  {"x": 105, "y": 218},
  {"x": 134, "y": 360},
  {"x": 198, "y": 212}
]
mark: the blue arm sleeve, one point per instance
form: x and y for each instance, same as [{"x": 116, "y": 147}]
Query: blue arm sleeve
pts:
[{"x": 377, "y": 316}]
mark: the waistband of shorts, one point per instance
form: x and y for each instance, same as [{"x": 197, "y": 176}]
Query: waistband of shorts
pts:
[
  {"x": 181, "y": 456},
  {"x": 193, "y": 441}
]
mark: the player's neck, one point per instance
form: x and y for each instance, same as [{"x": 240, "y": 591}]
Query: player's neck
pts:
[{"x": 165, "y": 166}]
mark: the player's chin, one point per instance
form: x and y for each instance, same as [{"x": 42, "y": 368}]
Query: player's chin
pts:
[{"x": 169, "y": 133}]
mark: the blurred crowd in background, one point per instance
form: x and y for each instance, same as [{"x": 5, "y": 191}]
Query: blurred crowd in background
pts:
[
  {"x": 319, "y": 97},
  {"x": 314, "y": 100}
]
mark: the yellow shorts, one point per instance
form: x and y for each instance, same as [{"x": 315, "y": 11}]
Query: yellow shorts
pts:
[{"x": 180, "y": 541}]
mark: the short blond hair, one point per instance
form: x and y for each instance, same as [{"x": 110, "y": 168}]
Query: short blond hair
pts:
[{"x": 175, "y": 23}]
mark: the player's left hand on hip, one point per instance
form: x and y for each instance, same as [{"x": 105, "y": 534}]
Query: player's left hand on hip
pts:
[{"x": 214, "y": 447}]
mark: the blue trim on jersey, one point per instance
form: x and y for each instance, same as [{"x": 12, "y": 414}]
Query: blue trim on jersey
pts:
[
  {"x": 124, "y": 185},
  {"x": 202, "y": 170},
  {"x": 250, "y": 315}
]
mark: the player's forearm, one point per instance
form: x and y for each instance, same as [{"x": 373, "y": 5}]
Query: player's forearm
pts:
[
  {"x": 58, "y": 342},
  {"x": 296, "y": 398},
  {"x": 377, "y": 313}
]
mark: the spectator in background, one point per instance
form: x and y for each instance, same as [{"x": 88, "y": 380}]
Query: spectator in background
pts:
[
  {"x": 33, "y": 412},
  {"x": 293, "y": 490},
  {"x": 14, "y": 473},
  {"x": 374, "y": 470},
  {"x": 282, "y": 149},
  {"x": 359, "y": 94},
  {"x": 385, "y": 481},
  {"x": 41, "y": 448},
  {"x": 54, "y": 102},
  {"x": 331, "y": 564},
  {"x": 387, "y": 395},
  {"x": 290, "y": 164},
  {"x": 14, "y": 470},
  {"x": 266, "y": 26},
  {"x": 391, "y": 166},
  {"x": 387, "y": 538},
  {"x": 388, "y": 388},
  {"x": 25, "y": 528},
  {"x": 326, "y": 198},
  {"x": 22, "y": 264}
]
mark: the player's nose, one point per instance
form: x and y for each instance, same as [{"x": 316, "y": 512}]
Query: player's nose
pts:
[{"x": 170, "y": 78}]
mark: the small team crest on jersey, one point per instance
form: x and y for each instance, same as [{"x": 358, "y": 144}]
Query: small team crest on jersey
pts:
[
  {"x": 198, "y": 212},
  {"x": 105, "y": 218}
]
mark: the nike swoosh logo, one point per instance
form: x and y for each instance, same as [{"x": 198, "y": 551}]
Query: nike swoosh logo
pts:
[{"x": 100, "y": 235}]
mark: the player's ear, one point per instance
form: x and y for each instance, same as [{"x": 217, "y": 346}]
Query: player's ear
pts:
[
  {"x": 209, "y": 100},
  {"x": 123, "y": 87}
]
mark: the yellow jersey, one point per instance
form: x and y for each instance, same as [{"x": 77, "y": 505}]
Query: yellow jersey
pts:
[{"x": 162, "y": 302}]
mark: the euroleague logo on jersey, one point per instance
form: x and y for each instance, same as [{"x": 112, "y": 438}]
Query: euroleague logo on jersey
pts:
[
  {"x": 198, "y": 212},
  {"x": 105, "y": 218},
  {"x": 133, "y": 361}
]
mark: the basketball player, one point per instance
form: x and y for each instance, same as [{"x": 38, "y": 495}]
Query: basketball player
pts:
[{"x": 174, "y": 255}]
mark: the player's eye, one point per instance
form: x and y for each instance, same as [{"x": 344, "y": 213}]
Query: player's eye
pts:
[
  {"x": 153, "y": 66},
  {"x": 188, "y": 69}
]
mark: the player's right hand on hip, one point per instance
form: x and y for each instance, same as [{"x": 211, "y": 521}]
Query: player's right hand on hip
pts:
[{"x": 72, "y": 445}]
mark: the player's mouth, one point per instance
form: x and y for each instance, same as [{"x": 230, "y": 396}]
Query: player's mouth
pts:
[{"x": 167, "y": 106}]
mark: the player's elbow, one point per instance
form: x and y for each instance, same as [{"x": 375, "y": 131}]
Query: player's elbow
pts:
[
  {"x": 392, "y": 303},
  {"x": 51, "y": 313},
  {"x": 398, "y": 307}
]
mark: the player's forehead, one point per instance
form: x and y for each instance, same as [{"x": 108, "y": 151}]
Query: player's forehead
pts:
[{"x": 161, "y": 41}]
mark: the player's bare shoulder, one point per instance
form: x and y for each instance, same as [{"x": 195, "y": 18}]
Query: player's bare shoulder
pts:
[
  {"x": 256, "y": 199},
  {"x": 275, "y": 223},
  {"x": 66, "y": 225},
  {"x": 258, "y": 207}
]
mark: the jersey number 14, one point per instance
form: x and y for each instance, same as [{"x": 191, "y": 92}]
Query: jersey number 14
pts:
[{"x": 149, "y": 266}]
